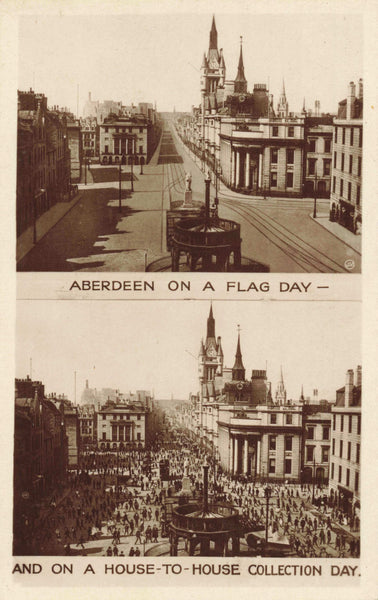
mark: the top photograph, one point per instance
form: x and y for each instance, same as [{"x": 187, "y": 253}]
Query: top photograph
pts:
[{"x": 190, "y": 142}]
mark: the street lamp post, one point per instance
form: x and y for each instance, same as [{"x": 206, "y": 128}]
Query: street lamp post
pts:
[
  {"x": 268, "y": 493},
  {"x": 315, "y": 193},
  {"x": 218, "y": 172},
  {"x": 141, "y": 166},
  {"x": 85, "y": 170},
  {"x": 313, "y": 479}
]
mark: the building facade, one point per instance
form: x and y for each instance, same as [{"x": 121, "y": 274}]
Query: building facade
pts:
[
  {"x": 344, "y": 480},
  {"x": 316, "y": 445},
  {"x": 346, "y": 194}
]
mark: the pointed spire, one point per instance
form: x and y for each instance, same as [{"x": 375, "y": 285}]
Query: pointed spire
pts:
[
  {"x": 301, "y": 399},
  {"x": 240, "y": 83},
  {"x": 213, "y": 45},
  {"x": 283, "y": 87},
  {"x": 204, "y": 62},
  {"x": 210, "y": 326},
  {"x": 281, "y": 380},
  {"x": 222, "y": 64},
  {"x": 238, "y": 370}
]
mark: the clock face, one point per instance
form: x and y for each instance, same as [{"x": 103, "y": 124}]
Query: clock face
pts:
[{"x": 212, "y": 352}]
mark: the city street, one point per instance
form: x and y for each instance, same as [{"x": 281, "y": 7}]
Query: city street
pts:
[{"x": 95, "y": 236}]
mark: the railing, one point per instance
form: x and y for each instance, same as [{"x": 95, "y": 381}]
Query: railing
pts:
[
  {"x": 228, "y": 520},
  {"x": 229, "y": 234}
]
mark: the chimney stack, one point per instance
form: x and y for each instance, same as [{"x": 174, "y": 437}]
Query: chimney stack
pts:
[
  {"x": 360, "y": 89},
  {"x": 359, "y": 376},
  {"x": 350, "y": 100},
  {"x": 349, "y": 387}
]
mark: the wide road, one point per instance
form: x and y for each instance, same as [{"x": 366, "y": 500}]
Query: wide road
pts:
[{"x": 95, "y": 236}]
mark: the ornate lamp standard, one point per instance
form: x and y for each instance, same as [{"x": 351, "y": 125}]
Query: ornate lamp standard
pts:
[{"x": 315, "y": 192}]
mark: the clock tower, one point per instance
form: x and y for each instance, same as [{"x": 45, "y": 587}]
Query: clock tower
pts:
[{"x": 210, "y": 359}]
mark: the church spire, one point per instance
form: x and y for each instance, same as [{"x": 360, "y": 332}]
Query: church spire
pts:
[
  {"x": 240, "y": 81},
  {"x": 283, "y": 105},
  {"x": 238, "y": 370},
  {"x": 210, "y": 326},
  {"x": 213, "y": 45}
]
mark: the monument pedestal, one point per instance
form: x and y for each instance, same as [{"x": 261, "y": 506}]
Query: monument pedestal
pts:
[
  {"x": 186, "y": 485},
  {"x": 188, "y": 198}
]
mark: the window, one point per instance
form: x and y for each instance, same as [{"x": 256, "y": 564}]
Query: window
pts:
[
  {"x": 349, "y": 450},
  {"x": 275, "y": 131},
  {"x": 360, "y": 140},
  {"x": 341, "y": 449},
  {"x": 290, "y": 156},
  {"x": 359, "y": 168},
  {"x": 272, "y": 465},
  {"x": 103, "y": 416},
  {"x": 335, "y": 135},
  {"x": 287, "y": 466},
  {"x": 342, "y": 161},
  {"x": 310, "y": 453},
  {"x": 138, "y": 436},
  {"x": 311, "y": 166},
  {"x": 332, "y": 470},
  {"x": 358, "y": 454},
  {"x": 272, "y": 442},
  {"x": 325, "y": 454},
  {"x": 349, "y": 191},
  {"x": 106, "y": 149},
  {"x": 289, "y": 419},
  {"x": 273, "y": 179},
  {"x": 347, "y": 477},
  {"x": 140, "y": 149},
  {"x": 310, "y": 433},
  {"x": 340, "y": 473},
  {"x": 290, "y": 131},
  {"x": 333, "y": 447},
  {"x": 273, "y": 418},
  {"x": 288, "y": 444},
  {"x": 327, "y": 146},
  {"x": 356, "y": 481},
  {"x": 350, "y": 163},
  {"x": 104, "y": 435},
  {"x": 351, "y": 135},
  {"x": 358, "y": 195},
  {"x": 341, "y": 190},
  {"x": 350, "y": 424},
  {"x": 325, "y": 433},
  {"x": 140, "y": 129},
  {"x": 341, "y": 422},
  {"x": 358, "y": 425},
  {"x": 289, "y": 180},
  {"x": 334, "y": 160},
  {"x": 273, "y": 155},
  {"x": 343, "y": 135},
  {"x": 326, "y": 166},
  {"x": 311, "y": 145}
]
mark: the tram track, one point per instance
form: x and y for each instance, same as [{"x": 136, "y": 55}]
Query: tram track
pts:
[{"x": 298, "y": 250}]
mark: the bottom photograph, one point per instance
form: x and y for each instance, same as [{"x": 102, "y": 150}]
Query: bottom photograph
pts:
[{"x": 187, "y": 428}]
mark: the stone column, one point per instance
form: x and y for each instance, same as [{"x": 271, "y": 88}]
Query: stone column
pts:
[
  {"x": 245, "y": 456},
  {"x": 231, "y": 456},
  {"x": 236, "y": 455},
  {"x": 237, "y": 168},
  {"x": 260, "y": 170},
  {"x": 258, "y": 453},
  {"x": 247, "y": 169}
]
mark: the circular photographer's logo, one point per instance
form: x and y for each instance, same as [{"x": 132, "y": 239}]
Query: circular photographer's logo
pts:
[{"x": 349, "y": 264}]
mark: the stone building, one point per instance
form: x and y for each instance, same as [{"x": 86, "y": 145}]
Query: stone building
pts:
[
  {"x": 346, "y": 199},
  {"x": 316, "y": 444},
  {"x": 90, "y": 137},
  {"x": 344, "y": 479},
  {"x": 124, "y": 139},
  {"x": 318, "y": 156}
]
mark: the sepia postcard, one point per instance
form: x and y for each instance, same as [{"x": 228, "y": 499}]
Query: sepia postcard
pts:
[{"x": 189, "y": 310}]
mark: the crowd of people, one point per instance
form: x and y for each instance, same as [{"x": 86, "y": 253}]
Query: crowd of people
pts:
[{"x": 116, "y": 501}]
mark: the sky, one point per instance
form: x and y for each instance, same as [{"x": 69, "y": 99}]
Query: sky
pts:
[
  {"x": 154, "y": 345},
  {"x": 147, "y": 57}
]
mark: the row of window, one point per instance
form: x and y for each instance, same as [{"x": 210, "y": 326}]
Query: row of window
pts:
[
  {"x": 312, "y": 143},
  {"x": 350, "y": 198},
  {"x": 349, "y": 450},
  {"x": 275, "y": 131},
  {"x": 338, "y": 422},
  {"x": 123, "y": 129},
  {"x": 288, "y": 443},
  {"x": 289, "y": 156},
  {"x": 350, "y": 164},
  {"x": 312, "y": 166},
  {"x": 117, "y": 149},
  {"x": 310, "y": 454},
  {"x": 347, "y": 477},
  {"x": 114, "y": 417},
  {"x": 311, "y": 433},
  {"x": 340, "y": 134},
  {"x": 272, "y": 466},
  {"x": 114, "y": 438},
  {"x": 288, "y": 416},
  {"x": 289, "y": 184}
]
